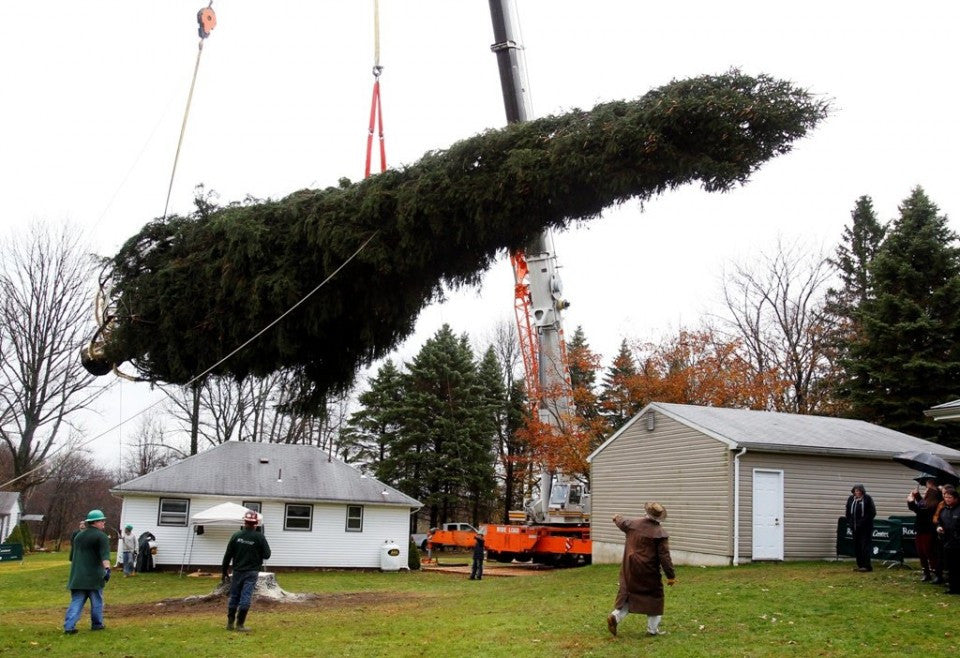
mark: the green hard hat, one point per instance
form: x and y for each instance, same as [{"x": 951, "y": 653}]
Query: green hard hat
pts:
[{"x": 95, "y": 515}]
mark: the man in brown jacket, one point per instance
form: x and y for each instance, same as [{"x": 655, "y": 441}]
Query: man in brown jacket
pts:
[{"x": 645, "y": 553}]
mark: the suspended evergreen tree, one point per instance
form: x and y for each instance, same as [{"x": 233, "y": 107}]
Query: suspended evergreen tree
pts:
[
  {"x": 617, "y": 399},
  {"x": 189, "y": 290},
  {"x": 907, "y": 356}
]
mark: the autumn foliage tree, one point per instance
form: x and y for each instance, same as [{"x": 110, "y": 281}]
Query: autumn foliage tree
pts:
[
  {"x": 584, "y": 365},
  {"x": 700, "y": 367}
]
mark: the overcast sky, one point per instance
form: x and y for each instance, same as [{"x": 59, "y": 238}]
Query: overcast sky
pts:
[{"x": 94, "y": 95}]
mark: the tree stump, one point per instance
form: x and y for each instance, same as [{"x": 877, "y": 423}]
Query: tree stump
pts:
[{"x": 266, "y": 588}]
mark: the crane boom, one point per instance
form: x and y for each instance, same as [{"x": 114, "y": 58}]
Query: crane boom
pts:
[{"x": 539, "y": 301}]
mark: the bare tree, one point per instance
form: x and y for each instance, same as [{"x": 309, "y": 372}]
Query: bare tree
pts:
[
  {"x": 45, "y": 296},
  {"x": 776, "y": 308},
  {"x": 255, "y": 409},
  {"x": 149, "y": 450},
  {"x": 75, "y": 485}
]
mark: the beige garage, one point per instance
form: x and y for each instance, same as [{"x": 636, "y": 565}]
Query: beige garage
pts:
[{"x": 742, "y": 485}]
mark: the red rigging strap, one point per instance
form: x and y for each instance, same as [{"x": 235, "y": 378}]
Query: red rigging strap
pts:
[
  {"x": 376, "y": 109},
  {"x": 376, "y": 120}
]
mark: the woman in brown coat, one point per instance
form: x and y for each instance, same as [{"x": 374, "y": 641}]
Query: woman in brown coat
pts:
[{"x": 645, "y": 553}]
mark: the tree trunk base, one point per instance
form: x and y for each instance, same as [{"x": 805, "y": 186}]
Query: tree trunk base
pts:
[{"x": 266, "y": 589}]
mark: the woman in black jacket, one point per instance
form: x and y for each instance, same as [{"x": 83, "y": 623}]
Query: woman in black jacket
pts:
[{"x": 860, "y": 514}]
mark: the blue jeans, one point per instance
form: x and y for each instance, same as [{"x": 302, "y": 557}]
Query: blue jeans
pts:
[
  {"x": 127, "y": 563},
  {"x": 241, "y": 589},
  {"x": 77, "y": 598}
]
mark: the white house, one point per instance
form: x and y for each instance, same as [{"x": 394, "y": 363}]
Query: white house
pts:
[
  {"x": 317, "y": 511},
  {"x": 9, "y": 513},
  {"x": 742, "y": 485}
]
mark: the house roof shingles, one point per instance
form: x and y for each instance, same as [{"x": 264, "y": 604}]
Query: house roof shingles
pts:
[{"x": 267, "y": 471}]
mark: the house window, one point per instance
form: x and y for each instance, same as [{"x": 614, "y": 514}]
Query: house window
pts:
[
  {"x": 174, "y": 511},
  {"x": 255, "y": 505},
  {"x": 298, "y": 517},
  {"x": 354, "y": 518}
]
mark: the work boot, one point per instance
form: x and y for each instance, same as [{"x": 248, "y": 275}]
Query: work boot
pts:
[
  {"x": 231, "y": 617},
  {"x": 241, "y": 618},
  {"x": 612, "y": 624},
  {"x": 937, "y": 580}
]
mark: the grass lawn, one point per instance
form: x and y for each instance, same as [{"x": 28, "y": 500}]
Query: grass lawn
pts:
[{"x": 792, "y": 609}]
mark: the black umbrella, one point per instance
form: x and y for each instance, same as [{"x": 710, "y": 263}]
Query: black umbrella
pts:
[{"x": 930, "y": 463}]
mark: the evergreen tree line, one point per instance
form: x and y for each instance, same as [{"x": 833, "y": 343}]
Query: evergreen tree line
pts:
[{"x": 880, "y": 344}]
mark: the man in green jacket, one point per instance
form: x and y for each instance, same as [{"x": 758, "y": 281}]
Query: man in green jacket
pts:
[
  {"x": 247, "y": 549},
  {"x": 89, "y": 573}
]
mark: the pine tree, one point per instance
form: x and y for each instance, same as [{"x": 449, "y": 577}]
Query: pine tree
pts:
[
  {"x": 373, "y": 428},
  {"x": 15, "y": 536},
  {"x": 907, "y": 355},
  {"x": 860, "y": 243},
  {"x": 496, "y": 409},
  {"x": 617, "y": 400},
  {"x": 515, "y": 452},
  {"x": 444, "y": 438}
]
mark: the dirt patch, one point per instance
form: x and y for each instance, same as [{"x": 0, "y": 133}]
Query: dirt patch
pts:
[
  {"x": 218, "y": 604},
  {"x": 499, "y": 571}
]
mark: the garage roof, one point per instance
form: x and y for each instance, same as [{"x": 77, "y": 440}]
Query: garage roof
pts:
[{"x": 771, "y": 431}]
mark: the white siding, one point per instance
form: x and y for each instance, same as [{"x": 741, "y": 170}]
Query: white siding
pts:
[
  {"x": 327, "y": 544},
  {"x": 9, "y": 521},
  {"x": 686, "y": 471},
  {"x": 815, "y": 492}
]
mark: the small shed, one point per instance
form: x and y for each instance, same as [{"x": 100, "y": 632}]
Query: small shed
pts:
[
  {"x": 10, "y": 512},
  {"x": 317, "y": 511},
  {"x": 742, "y": 485}
]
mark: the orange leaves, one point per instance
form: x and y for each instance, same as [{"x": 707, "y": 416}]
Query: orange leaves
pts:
[
  {"x": 564, "y": 448},
  {"x": 699, "y": 367}
]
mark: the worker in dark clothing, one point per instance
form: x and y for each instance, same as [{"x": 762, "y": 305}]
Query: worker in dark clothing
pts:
[
  {"x": 860, "y": 514},
  {"x": 247, "y": 549},
  {"x": 948, "y": 528},
  {"x": 89, "y": 573},
  {"x": 476, "y": 572}
]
